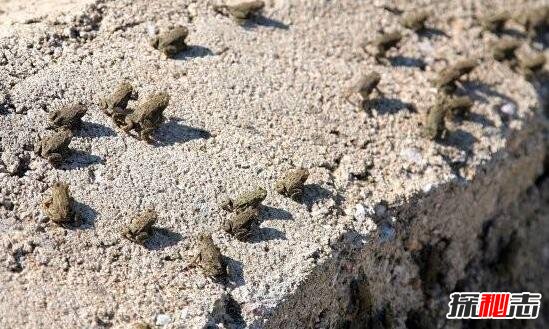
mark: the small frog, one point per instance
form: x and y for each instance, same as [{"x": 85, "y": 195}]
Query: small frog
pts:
[
  {"x": 67, "y": 117},
  {"x": 415, "y": 21},
  {"x": 495, "y": 22},
  {"x": 384, "y": 42},
  {"x": 534, "y": 20},
  {"x": 435, "y": 127},
  {"x": 242, "y": 10},
  {"x": 59, "y": 206},
  {"x": 364, "y": 87},
  {"x": 54, "y": 147},
  {"x": 448, "y": 77},
  {"x": 458, "y": 107},
  {"x": 243, "y": 223},
  {"x": 209, "y": 258},
  {"x": 504, "y": 49},
  {"x": 465, "y": 66},
  {"x": 140, "y": 228},
  {"x": 115, "y": 105},
  {"x": 171, "y": 42},
  {"x": 293, "y": 183},
  {"x": 446, "y": 80},
  {"x": 250, "y": 199},
  {"x": 148, "y": 116},
  {"x": 530, "y": 64}
]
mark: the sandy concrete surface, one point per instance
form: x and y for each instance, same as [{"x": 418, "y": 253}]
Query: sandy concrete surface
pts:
[{"x": 247, "y": 103}]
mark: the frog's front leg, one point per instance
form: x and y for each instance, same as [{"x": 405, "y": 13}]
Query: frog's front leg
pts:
[
  {"x": 170, "y": 51},
  {"x": 55, "y": 158},
  {"x": 118, "y": 116},
  {"x": 296, "y": 194},
  {"x": 104, "y": 105},
  {"x": 142, "y": 237},
  {"x": 145, "y": 134},
  {"x": 154, "y": 42}
]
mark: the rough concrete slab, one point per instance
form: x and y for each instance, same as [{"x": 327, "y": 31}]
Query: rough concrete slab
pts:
[{"x": 247, "y": 104}]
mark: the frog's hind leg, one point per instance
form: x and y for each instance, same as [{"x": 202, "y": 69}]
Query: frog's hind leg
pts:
[
  {"x": 118, "y": 116},
  {"x": 128, "y": 125}
]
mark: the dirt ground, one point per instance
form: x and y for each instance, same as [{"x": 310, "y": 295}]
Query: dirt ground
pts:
[{"x": 247, "y": 103}]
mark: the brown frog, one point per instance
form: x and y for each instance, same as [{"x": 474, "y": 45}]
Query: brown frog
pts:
[
  {"x": 243, "y": 223},
  {"x": 504, "y": 49},
  {"x": 465, "y": 66},
  {"x": 59, "y": 206},
  {"x": 495, "y": 22},
  {"x": 364, "y": 87},
  {"x": 435, "y": 127},
  {"x": 415, "y": 21},
  {"x": 115, "y": 105},
  {"x": 534, "y": 20},
  {"x": 242, "y": 10},
  {"x": 532, "y": 63},
  {"x": 384, "y": 42},
  {"x": 67, "y": 117},
  {"x": 448, "y": 77},
  {"x": 248, "y": 199},
  {"x": 54, "y": 147},
  {"x": 293, "y": 183},
  {"x": 171, "y": 42},
  {"x": 209, "y": 258},
  {"x": 148, "y": 116},
  {"x": 140, "y": 228}
]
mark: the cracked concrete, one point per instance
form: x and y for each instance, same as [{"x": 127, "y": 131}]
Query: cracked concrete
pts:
[{"x": 382, "y": 204}]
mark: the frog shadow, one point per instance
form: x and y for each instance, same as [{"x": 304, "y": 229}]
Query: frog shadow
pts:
[
  {"x": 312, "y": 193},
  {"x": 173, "y": 132},
  {"x": 267, "y": 234},
  {"x": 194, "y": 51},
  {"x": 225, "y": 313},
  {"x": 235, "y": 272},
  {"x": 406, "y": 61},
  {"x": 512, "y": 33},
  {"x": 477, "y": 118},
  {"x": 94, "y": 130},
  {"x": 87, "y": 216},
  {"x": 79, "y": 159},
  {"x": 460, "y": 139},
  {"x": 272, "y": 213},
  {"x": 479, "y": 91},
  {"x": 261, "y": 20},
  {"x": 387, "y": 105},
  {"x": 432, "y": 32},
  {"x": 163, "y": 238}
]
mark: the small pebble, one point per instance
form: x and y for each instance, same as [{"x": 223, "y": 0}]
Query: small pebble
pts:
[
  {"x": 360, "y": 212},
  {"x": 412, "y": 154},
  {"x": 151, "y": 29},
  {"x": 163, "y": 319},
  {"x": 509, "y": 109}
]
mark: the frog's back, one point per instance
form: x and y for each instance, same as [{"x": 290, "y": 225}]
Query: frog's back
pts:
[
  {"x": 60, "y": 203},
  {"x": 175, "y": 37},
  {"x": 251, "y": 198},
  {"x": 121, "y": 95}
]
